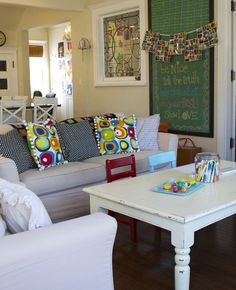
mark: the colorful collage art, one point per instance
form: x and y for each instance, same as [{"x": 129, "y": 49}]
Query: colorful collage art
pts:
[{"x": 190, "y": 44}]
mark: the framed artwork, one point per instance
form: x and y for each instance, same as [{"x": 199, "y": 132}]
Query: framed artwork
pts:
[
  {"x": 118, "y": 30},
  {"x": 60, "y": 49}
]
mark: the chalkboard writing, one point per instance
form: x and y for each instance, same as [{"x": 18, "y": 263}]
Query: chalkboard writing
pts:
[{"x": 181, "y": 91}]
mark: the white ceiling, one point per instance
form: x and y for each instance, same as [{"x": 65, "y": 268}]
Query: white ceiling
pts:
[{"x": 54, "y": 4}]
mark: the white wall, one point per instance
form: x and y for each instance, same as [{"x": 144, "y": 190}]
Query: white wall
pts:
[
  {"x": 89, "y": 99},
  {"x": 58, "y": 70}
]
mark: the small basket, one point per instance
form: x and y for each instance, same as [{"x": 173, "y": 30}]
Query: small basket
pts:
[{"x": 186, "y": 153}]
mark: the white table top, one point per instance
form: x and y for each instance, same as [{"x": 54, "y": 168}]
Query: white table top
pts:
[{"x": 136, "y": 192}]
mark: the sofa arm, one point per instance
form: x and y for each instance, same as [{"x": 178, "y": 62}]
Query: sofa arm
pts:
[
  {"x": 75, "y": 254},
  {"x": 8, "y": 170},
  {"x": 168, "y": 142}
]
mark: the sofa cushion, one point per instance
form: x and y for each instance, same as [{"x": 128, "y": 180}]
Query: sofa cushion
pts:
[
  {"x": 89, "y": 118},
  {"x": 22, "y": 209},
  {"x": 70, "y": 175},
  {"x": 3, "y": 227},
  {"x": 147, "y": 132},
  {"x": 13, "y": 146},
  {"x": 77, "y": 141},
  {"x": 116, "y": 135},
  {"x": 141, "y": 158},
  {"x": 44, "y": 145}
]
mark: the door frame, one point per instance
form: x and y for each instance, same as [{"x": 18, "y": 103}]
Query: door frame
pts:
[
  {"x": 12, "y": 51},
  {"x": 234, "y": 82}
]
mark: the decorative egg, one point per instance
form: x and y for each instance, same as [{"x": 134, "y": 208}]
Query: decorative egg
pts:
[
  {"x": 167, "y": 186},
  {"x": 175, "y": 188},
  {"x": 184, "y": 189},
  {"x": 181, "y": 184}
]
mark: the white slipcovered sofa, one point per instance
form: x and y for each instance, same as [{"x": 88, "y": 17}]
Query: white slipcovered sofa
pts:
[
  {"x": 75, "y": 254},
  {"x": 60, "y": 187}
]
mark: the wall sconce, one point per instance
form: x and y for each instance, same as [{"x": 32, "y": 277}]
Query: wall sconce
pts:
[{"x": 84, "y": 44}]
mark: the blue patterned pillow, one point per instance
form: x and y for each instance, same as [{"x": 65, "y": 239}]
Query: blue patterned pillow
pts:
[
  {"x": 44, "y": 145},
  {"x": 116, "y": 135}
]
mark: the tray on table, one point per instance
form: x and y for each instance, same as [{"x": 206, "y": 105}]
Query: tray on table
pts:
[{"x": 160, "y": 189}]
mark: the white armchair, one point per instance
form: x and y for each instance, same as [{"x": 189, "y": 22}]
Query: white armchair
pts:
[{"x": 75, "y": 254}]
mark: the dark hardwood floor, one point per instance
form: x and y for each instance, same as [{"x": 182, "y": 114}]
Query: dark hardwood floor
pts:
[{"x": 149, "y": 263}]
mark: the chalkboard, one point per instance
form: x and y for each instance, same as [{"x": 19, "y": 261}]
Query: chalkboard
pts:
[{"x": 182, "y": 92}]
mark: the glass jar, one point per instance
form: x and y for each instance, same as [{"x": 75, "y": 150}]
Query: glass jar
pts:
[{"x": 207, "y": 167}]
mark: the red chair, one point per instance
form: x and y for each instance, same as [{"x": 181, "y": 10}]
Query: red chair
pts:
[{"x": 131, "y": 172}]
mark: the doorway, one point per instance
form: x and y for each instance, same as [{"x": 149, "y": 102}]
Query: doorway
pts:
[
  {"x": 8, "y": 73},
  {"x": 52, "y": 71},
  {"x": 39, "y": 69},
  {"x": 234, "y": 79}
]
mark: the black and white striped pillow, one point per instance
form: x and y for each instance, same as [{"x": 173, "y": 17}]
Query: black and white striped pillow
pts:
[
  {"x": 13, "y": 146},
  {"x": 77, "y": 141}
]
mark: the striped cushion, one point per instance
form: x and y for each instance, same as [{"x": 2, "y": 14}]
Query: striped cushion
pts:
[
  {"x": 13, "y": 146},
  {"x": 77, "y": 141}
]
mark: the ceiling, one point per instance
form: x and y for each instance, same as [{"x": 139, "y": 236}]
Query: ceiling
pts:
[{"x": 75, "y": 5}]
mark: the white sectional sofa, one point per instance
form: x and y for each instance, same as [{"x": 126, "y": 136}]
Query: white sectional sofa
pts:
[
  {"x": 74, "y": 254},
  {"x": 60, "y": 187}
]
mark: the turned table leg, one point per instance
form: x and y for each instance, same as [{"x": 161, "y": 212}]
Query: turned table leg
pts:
[{"x": 182, "y": 269}]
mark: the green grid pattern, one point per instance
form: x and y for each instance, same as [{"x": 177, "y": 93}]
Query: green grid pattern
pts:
[{"x": 174, "y": 16}]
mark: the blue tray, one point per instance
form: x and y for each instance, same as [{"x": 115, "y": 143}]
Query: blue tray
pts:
[{"x": 159, "y": 188}]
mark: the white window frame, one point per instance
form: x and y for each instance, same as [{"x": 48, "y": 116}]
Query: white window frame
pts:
[{"x": 99, "y": 13}]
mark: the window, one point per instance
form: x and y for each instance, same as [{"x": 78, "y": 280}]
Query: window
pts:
[
  {"x": 39, "y": 78},
  {"x": 117, "y": 31}
]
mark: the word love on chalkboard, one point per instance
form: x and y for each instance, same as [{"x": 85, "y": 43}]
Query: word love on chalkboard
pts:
[
  {"x": 180, "y": 91},
  {"x": 183, "y": 96}
]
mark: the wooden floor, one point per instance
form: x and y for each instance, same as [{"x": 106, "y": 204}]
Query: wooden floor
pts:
[{"x": 149, "y": 263}]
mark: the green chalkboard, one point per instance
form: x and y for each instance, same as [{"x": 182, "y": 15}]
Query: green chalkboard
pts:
[{"x": 182, "y": 92}]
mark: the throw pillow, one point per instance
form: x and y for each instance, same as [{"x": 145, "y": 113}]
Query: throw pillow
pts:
[
  {"x": 147, "y": 132},
  {"x": 116, "y": 135},
  {"x": 21, "y": 208},
  {"x": 44, "y": 145},
  {"x": 13, "y": 146},
  {"x": 2, "y": 227},
  {"x": 90, "y": 119},
  {"x": 77, "y": 141}
]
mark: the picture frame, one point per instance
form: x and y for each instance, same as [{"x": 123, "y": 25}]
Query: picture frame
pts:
[{"x": 118, "y": 30}]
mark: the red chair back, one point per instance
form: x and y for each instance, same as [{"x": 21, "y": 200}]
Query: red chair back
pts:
[{"x": 120, "y": 162}]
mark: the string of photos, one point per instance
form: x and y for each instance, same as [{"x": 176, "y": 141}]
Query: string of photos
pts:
[{"x": 190, "y": 44}]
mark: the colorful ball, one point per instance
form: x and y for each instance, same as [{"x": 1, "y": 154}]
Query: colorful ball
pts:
[
  {"x": 175, "y": 188},
  {"x": 167, "y": 186}
]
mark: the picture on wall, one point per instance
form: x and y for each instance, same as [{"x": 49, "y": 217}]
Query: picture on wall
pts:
[
  {"x": 122, "y": 45},
  {"x": 118, "y": 58},
  {"x": 61, "y": 49}
]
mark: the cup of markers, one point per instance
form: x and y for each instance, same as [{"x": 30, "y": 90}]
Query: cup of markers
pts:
[{"x": 207, "y": 167}]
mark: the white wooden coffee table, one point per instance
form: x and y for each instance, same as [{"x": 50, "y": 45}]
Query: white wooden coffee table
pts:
[{"x": 181, "y": 215}]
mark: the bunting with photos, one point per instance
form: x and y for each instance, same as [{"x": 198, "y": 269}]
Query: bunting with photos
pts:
[{"x": 190, "y": 44}]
